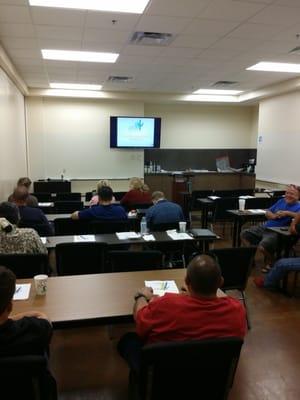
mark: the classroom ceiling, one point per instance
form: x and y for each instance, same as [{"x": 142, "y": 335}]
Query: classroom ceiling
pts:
[{"x": 214, "y": 40}]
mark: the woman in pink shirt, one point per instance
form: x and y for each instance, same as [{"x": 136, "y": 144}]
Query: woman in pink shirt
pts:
[{"x": 95, "y": 199}]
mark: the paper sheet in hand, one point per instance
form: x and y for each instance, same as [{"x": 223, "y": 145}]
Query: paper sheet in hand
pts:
[
  {"x": 162, "y": 287},
  {"x": 128, "y": 235},
  {"x": 22, "y": 291},
  {"x": 84, "y": 238}
]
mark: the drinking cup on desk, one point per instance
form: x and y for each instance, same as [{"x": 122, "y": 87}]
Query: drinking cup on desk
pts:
[
  {"x": 242, "y": 204},
  {"x": 40, "y": 283},
  {"x": 182, "y": 227}
]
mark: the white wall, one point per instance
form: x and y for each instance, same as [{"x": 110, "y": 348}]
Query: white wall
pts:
[
  {"x": 12, "y": 136},
  {"x": 279, "y": 132}
]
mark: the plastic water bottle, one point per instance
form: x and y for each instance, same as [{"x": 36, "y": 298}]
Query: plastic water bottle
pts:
[{"x": 143, "y": 226}]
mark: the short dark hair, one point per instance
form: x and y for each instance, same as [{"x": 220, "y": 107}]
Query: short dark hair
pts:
[
  {"x": 9, "y": 211},
  {"x": 105, "y": 193},
  {"x": 203, "y": 275},
  {"x": 20, "y": 193},
  {"x": 7, "y": 287},
  {"x": 25, "y": 181}
]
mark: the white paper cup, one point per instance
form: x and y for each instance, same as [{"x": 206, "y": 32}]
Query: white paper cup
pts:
[
  {"x": 242, "y": 204},
  {"x": 182, "y": 227},
  {"x": 40, "y": 283}
]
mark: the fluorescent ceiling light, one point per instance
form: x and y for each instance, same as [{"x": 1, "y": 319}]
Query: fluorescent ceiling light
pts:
[
  {"x": 217, "y": 91},
  {"x": 275, "y": 67},
  {"x": 131, "y": 6},
  {"x": 73, "y": 93},
  {"x": 74, "y": 86},
  {"x": 212, "y": 98},
  {"x": 84, "y": 56}
]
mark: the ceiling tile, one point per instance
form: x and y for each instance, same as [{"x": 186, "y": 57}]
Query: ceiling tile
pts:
[
  {"x": 59, "y": 44},
  {"x": 201, "y": 42},
  {"x": 256, "y": 31},
  {"x": 230, "y": 10},
  {"x": 101, "y": 46},
  {"x": 19, "y": 43},
  {"x": 14, "y": 2},
  {"x": 27, "y": 61},
  {"x": 58, "y": 32},
  {"x": 186, "y": 52},
  {"x": 150, "y": 23},
  {"x": 57, "y": 16},
  {"x": 139, "y": 50},
  {"x": 17, "y": 30},
  {"x": 288, "y": 3},
  {"x": 187, "y": 8},
  {"x": 237, "y": 44},
  {"x": 106, "y": 36},
  {"x": 25, "y": 53},
  {"x": 213, "y": 27},
  {"x": 104, "y": 20},
  {"x": 15, "y": 14},
  {"x": 282, "y": 15}
]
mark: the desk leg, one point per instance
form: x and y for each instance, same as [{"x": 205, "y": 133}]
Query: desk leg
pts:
[
  {"x": 239, "y": 229},
  {"x": 234, "y": 234}
]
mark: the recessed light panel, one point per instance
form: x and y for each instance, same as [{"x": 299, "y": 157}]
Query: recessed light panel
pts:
[
  {"x": 82, "y": 56},
  {"x": 74, "y": 86},
  {"x": 217, "y": 91},
  {"x": 275, "y": 67},
  {"x": 131, "y": 6}
]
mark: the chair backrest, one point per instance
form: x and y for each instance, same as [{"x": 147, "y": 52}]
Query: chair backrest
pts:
[
  {"x": 68, "y": 197},
  {"x": 258, "y": 202},
  {"x": 119, "y": 195},
  {"x": 109, "y": 226},
  {"x": 41, "y": 229},
  {"x": 235, "y": 264},
  {"x": 189, "y": 370},
  {"x": 223, "y": 204},
  {"x": 68, "y": 206},
  {"x": 143, "y": 206},
  {"x": 89, "y": 195},
  {"x": 25, "y": 265},
  {"x": 122, "y": 261},
  {"x": 80, "y": 258},
  {"x": 26, "y": 377},
  {"x": 164, "y": 226},
  {"x": 68, "y": 226},
  {"x": 43, "y": 197}
]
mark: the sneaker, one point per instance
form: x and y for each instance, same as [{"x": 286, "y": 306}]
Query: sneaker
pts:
[{"x": 259, "y": 281}]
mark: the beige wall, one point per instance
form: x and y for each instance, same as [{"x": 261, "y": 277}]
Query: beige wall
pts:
[{"x": 12, "y": 136}]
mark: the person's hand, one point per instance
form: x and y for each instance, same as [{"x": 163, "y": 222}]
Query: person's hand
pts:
[
  {"x": 147, "y": 292},
  {"x": 281, "y": 214}
]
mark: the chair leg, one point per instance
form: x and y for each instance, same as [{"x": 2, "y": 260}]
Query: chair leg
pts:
[{"x": 243, "y": 298}]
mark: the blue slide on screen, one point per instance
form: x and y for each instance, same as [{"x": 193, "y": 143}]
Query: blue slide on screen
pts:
[{"x": 135, "y": 132}]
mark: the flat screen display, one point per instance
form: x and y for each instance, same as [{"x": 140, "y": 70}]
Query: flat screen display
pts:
[{"x": 135, "y": 132}]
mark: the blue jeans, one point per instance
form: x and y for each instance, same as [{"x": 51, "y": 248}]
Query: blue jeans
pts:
[{"x": 280, "y": 269}]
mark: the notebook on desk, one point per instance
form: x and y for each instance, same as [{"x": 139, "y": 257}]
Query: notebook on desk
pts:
[{"x": 202, "y": 233}]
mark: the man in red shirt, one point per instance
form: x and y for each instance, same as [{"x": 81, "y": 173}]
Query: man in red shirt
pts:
[{"x": 196, "y": 313}]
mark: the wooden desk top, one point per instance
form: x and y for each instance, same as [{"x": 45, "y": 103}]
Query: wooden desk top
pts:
[{"x": 101, "y": 298}]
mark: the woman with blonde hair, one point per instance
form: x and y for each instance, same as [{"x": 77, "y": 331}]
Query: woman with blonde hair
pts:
[
  {"x": 95, "y": 199},
  {"x": 138, "y": 193}
]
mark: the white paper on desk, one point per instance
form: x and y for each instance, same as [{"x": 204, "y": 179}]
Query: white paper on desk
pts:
[
  {"x": 257, "y": 211},
  {"x": 246, "y": 197},
  {"x": 84, "y": 238},
  {"x": 128, "y": 235},
  {"x": 213, "y": 197},
  {"x": 22, "y": 291},
  {"x": 162, "y": 287},
  {"x": 149, "y": 238},
  {"x": 178, "y": 235},
  {"x": 44, "y": 240},
  {"x": 46, "y": 204}
]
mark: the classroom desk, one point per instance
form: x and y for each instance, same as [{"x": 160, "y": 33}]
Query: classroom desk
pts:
[
  {"x": 112, "y": 239},
  {"x": 93, "y": 299},
  {"x": 240, "y": 217},
  {"x": 52, "y": 217}
]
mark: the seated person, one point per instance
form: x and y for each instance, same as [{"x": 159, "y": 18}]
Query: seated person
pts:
[
  {"x": 31, "y": 216},
  {"x": 31, "y": 200},
  {"x": 163, "y": 211},
  {"x": 105, "y": 210},
  {"x": 196, "y": 313},
  {"x": 95, "y": 199},
  {"x": 138, "y": 193},
  {"x": 21, "y": 334},
  {"x": 15, "y": 240},
  {"x": 282, "y": 266},
  {"x": 280, "y": 214}
]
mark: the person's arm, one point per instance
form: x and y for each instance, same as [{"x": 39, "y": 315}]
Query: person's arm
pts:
[
  {"x": 36, "y": 314},
  {"x": 75, "y": 215},
  {"x": 294, "y": 227},
  {"x": 142, "y": 297},
  {"x": 281, "y": 214}
]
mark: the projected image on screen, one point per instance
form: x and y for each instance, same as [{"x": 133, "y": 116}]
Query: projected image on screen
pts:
[{"x": 135, "y": 132}]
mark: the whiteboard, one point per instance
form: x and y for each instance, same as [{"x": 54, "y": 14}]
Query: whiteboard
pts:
[
  {"x": 279, "y": 140},
  {"x": 76, "y": 140}
]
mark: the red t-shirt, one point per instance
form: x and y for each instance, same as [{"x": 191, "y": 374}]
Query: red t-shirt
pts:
[
  {"x": 175, "y": 317},
  {"x": 136, "y": 196}
]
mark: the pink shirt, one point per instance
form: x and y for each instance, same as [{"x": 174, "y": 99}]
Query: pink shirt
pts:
[{"x": 95, "y": 200}]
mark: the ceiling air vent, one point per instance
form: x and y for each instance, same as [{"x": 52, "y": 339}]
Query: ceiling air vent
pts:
[
  {"x": 224, "y": 84},
  {"x": 296, "y": 50},
  {"x": 151, "y": 38},
  {"x": 119, "y": 79}
]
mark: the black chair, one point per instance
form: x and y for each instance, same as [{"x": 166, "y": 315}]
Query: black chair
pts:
[
  {"x": 258, "y": 202},
  {"x": 41, "y": 229},
  {"x": 164, "y": 226},
  {"x": 26, "y": 377},
  {"x": 220, "y": 214},
  {"x": 89, "y": 195},
  {"x": 25, "y": 265},
  {"x": 199, "y": 194},
  {"x": 119, "y": 195},
  {"x": 187, "y": 370},
  {"x": 235, "y": 264},
  {"x": 67, "y": 206},
  {"x": 121, "y": 261},
  {"x": 68, "y": 197},
  {"x": 43, "y": 197},
  {"x": 80, "y": 258},
  {"x": 68, "y": 226},
  {"x": 109, "y": 226}
]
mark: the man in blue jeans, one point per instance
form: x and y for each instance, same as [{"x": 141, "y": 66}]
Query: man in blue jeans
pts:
[{"x": 283, "y": 266}]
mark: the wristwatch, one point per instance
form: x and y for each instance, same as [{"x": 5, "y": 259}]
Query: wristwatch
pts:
[{"x": 138, "y": 295}]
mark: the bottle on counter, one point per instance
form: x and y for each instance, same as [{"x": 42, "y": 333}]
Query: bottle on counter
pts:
[{"x": 143, "y": 226}]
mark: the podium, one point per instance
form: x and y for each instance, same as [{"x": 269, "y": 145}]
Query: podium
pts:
[
  {"x": 181, "y": 183},
  {"x": 52, "y": 186}
]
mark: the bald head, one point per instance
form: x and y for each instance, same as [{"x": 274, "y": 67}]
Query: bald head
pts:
[{"x": 203, "y": 276}]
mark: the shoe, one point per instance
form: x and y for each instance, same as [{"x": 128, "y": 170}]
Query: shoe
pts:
[{"x": 259, "y": 281}]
